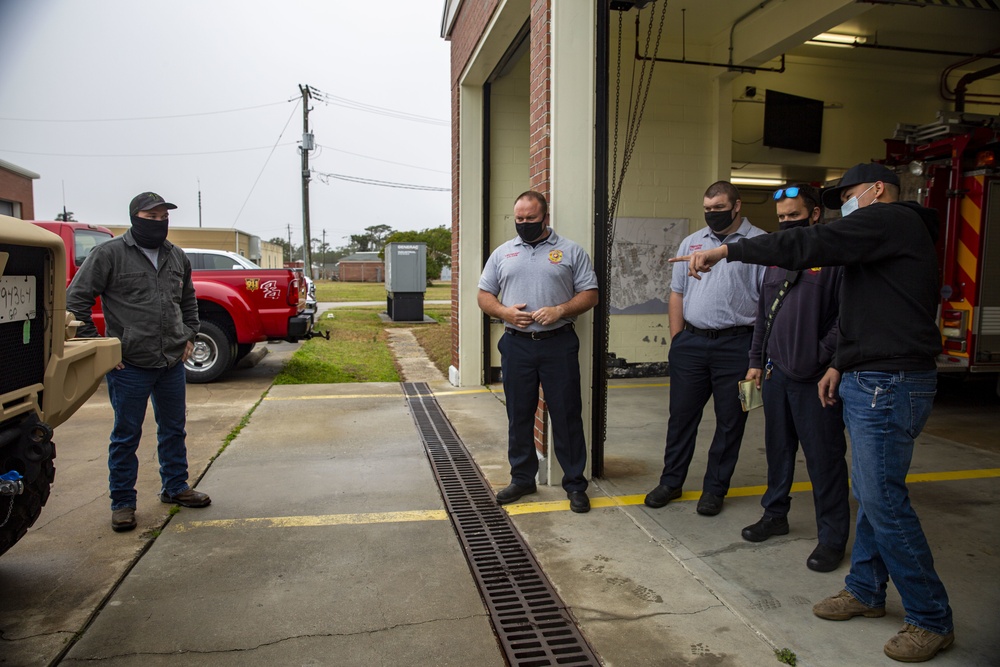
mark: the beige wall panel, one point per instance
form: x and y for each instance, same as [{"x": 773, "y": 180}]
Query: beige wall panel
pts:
[{"x": 509, "y": 169}]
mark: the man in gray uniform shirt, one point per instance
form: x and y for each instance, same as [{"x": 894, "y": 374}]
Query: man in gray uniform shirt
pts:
[
  {"x": 711, "y": 325},
  {"x": 538, "y": 283}
]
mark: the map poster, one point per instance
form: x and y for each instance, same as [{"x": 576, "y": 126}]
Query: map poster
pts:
[{"x": 640, "y": 272}]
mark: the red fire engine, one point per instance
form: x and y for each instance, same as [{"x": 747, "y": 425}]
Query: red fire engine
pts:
[{"x": 952, "y": 165}]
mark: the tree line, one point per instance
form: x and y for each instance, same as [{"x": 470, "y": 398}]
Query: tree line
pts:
[{"x": 374, "y": 239}]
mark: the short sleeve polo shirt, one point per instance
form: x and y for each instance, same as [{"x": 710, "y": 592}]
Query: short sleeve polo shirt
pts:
[
  {"x": 551, "y": 273},
  {"x": 727, "y": 295}
]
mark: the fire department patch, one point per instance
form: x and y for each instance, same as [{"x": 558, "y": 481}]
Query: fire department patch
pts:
[
  {"x": 556, "y": 256},
  {"x": 252, "y": 284}
]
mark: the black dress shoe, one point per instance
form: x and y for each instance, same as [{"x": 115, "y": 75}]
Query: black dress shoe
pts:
[
  {"x": 578, "y": 501},
  {"x": 765, "y": 528},
  {"x": 513, "y": 493},
  {"x": 824, "y": 558},
  {"x": 662, "y": 495},
  {"x": 709, "y": 504}
]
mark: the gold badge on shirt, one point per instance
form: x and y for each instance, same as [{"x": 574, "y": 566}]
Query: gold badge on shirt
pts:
[{"x": 555, "y": 256}]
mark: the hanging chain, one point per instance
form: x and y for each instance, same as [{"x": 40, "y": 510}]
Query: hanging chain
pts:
[
  {"x": 9, "y": 510},
  {"x": 618, "y": 178}
]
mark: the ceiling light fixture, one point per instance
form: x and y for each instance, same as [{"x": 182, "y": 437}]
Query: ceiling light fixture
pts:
[
  {"x": 836, "y": 40},
  {"x": 752, "y": 180}
]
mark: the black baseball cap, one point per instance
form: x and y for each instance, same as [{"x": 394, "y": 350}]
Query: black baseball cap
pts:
[
  {"x": 859, "y": 173},
  {"x": 146, "y": 201}
]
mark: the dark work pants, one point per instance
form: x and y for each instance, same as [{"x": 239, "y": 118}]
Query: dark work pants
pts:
[
  {"x": 793, "y": 413},
  {"x": 700, "y": 368},
  {"x": 554, "y": 363}
]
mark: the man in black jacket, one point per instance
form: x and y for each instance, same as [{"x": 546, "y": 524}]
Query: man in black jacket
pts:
[
  {"x": 886, "y": 371},
  {"x": 800, "y": 332},
  {"x": 149, "y": 303}
]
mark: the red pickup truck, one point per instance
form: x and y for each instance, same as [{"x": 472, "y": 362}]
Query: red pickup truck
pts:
[{"x": 238, "y": 309}]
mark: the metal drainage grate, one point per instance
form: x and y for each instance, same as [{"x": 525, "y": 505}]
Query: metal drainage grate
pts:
[{"x": 529, "y": 618}]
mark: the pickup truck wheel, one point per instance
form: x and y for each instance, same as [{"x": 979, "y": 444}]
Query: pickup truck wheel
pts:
[
  {"x": 214, "y": 353},
  {"x": 26, "y": 506}
]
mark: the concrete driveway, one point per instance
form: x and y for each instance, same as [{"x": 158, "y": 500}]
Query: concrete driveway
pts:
[{"x": 59, "y": 574}]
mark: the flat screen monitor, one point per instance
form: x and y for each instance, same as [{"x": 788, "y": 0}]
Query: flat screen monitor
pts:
[{"x": 792, "y": 122}]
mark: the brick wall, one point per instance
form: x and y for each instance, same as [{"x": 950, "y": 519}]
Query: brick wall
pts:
[
  {"x": 540, "y": 50},
  {"x": 16, "y": 188},
  {"x": 361, "y": 272},
  {"x": 469, "y": 26}
]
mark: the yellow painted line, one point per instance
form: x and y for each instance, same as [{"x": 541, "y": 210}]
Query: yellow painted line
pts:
[
  {"x": 953, "y": 475},
  {"x": 325, "y": 397},
  {"x": 320, "y": 520},
  {"x": 331, "y": 396},
  {"x": 739, "y": 492},
  {"x": 533, "y": 507}
]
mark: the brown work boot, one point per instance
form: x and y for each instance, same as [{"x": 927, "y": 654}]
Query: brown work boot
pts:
[
  {"x": 843, "y": 606},
  {"x": 187, "y": 498},
  {"x": 123, "y": 519},
  {"x": 913, "y": 644}
]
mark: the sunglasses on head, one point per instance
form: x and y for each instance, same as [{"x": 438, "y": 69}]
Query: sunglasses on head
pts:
[{"x": 791, "y": 193}]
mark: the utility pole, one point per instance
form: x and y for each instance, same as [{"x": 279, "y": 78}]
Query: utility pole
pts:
[
  {"x": 65, "y": 214},
  {"x": 199, "y": 202},
  {"x": 307, "y": 145},
  {"x": 289, "y": 243},
  {"x": 325, "y": 250}
]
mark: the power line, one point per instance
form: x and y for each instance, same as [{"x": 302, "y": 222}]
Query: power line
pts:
[
  {"x": 371, "y": 108},
  {"x": 265, "y": 164},
  {"x": 371, "y": 181},
  {"x": 233, "y": 150},
  {"x": 118, "y": 120},
  {"x": 369, "y": 157}
]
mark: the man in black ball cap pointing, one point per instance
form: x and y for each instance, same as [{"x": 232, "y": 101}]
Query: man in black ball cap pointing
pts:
[{"x": 885, "y": 370}]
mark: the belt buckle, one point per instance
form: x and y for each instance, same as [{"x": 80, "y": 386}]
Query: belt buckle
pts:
[{"x": 534, "y": 337}]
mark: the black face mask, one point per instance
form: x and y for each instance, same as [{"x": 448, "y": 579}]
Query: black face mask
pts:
[
  {"x": 529, "y": 231},
  {"x": 789, "y": 224},
  {"x": 148, "y": 233},
  {"x": 718, "y": 220}
]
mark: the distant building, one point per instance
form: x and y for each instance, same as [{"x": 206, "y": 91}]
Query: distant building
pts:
[
  {"x": 17, "y": 197},
  {"x": 361, "y": 267},
  {"x": 266, "y": 255}
]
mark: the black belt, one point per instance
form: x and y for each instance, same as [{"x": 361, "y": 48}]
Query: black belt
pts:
[
  {"x": 717, "y": 333},
  {"x": 540, "y": 335}
]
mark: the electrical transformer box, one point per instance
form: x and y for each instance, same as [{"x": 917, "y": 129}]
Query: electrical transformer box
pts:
[
  {"x": 405, "y": 281},
  {"x": 406, "y": 267}
]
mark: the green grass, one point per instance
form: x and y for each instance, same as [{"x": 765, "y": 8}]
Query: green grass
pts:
[
  {"x": 328, "y": 290},
  {"x": 785, "y": 656},
  {"x": 358, "y": 349}
]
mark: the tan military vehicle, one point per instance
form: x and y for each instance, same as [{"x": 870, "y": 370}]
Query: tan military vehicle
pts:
[{"x": 45, "y": 375}]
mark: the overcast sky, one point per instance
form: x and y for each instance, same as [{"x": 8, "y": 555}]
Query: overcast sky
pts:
[{"x": 79, "y": 81}]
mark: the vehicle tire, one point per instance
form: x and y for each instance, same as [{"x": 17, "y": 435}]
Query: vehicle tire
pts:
[
  {"x": 242, "y": 350},
  {"x": 214, "y": 353},
  {"x": 27, "y": 506}
]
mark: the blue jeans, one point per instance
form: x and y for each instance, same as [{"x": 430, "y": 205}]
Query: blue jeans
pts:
[
  {"x": 884, "y": 412},
  {"x": 130, "y": 390}
]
